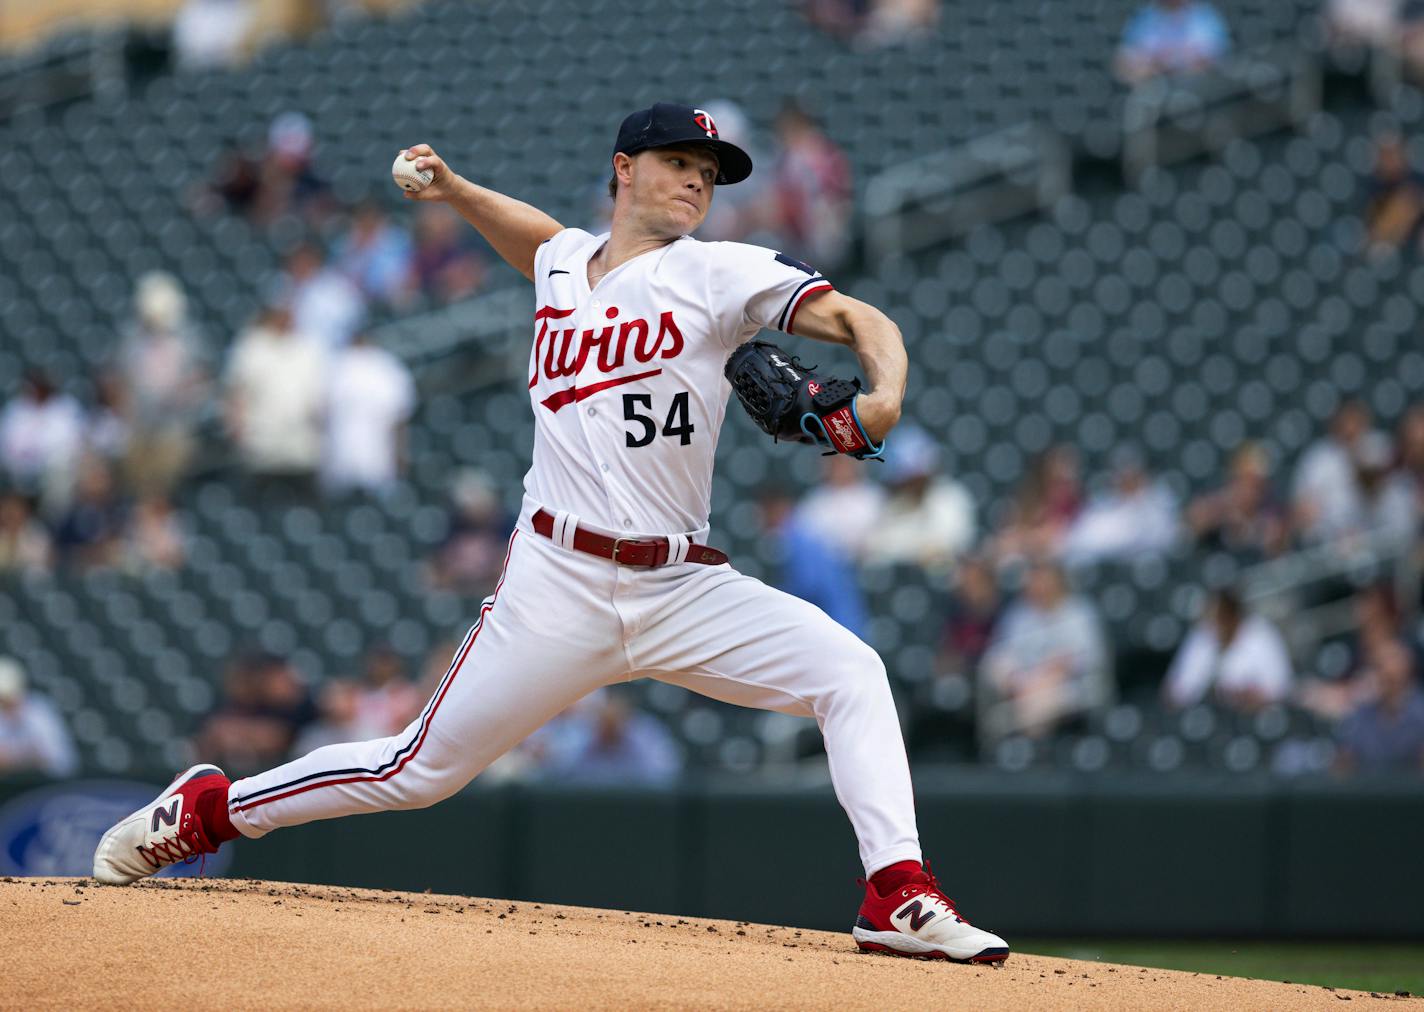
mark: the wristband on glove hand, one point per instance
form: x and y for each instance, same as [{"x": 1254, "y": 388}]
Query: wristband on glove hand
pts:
[{"x": 839, "y": 425}]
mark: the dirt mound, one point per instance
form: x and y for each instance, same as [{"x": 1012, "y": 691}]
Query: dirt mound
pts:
[{"x": 239, "y": 943}]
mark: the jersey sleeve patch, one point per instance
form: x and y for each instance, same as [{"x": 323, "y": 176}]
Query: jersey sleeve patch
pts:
[{"x": 801, "y": 266}]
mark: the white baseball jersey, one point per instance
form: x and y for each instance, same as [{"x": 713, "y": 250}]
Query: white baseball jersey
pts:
[{"x": 626, "y": 380}]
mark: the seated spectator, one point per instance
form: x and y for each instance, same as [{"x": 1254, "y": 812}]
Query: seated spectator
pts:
[
  {"x": 1172, "y": 37},
  {"x": 974, "y": 610},
  {"x": 155, "y": 538},
  {"x": 1326, "y": 500},
  {"x": 1047, "y": 502},
  {"x": 386, "y": 700},
  {"x": 1048, "y": 660},
  {"x": 470, "y": 560},
  {"x": 263, "y": 709},
  {"x": 873, "y": 22},
  {"x": 845, "y": 509},
  {"x": 24, "y": 543},
  {"x": 1364, "y": 22},
  {"x": 288, "y": 182},
  {"x": 609, "y": 743},
  {"x": 1134, "y": 517},
  {"x": 212, "y": 34},
  {"x": 33, "y": 737},
  {"x": 90, "y": 532},
  {"x": 41, "y": 439},
  {"x": 106, "y": 431},
  {"x": 1388, "y": 505},
  {"x": 1395, "y": 210},
  {"x": 370, "y": 398},
  {"x": 376, "y": 254},
  {"x": 233, "y": 188},
  {"x": 1237, "y": 660},
  {"x": 446, "y": 265},
  {"x": 1387, "y": 734},
  {"x": 811, "y": 190},
  {"x": 812, "y": 567},
  {"x": 327, "y": 307},
  {"x": 337, "y": 719},
  {"x": 1243, "y": 516},
  {"x": 739, "y": 214},
  {"x": 1411, "y": 451},
  {"x": 164, "y": 388},
  {"x": 276, "y": 402},
  {"x": 928, "y": 519},
  {"x": 1377, "y": 622}
]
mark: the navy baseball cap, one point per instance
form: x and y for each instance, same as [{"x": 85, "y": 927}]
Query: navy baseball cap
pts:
[{"x": 667, "y": 124}]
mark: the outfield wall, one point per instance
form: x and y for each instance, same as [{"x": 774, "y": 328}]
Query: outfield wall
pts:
[{"x": 1041, "y": 854}]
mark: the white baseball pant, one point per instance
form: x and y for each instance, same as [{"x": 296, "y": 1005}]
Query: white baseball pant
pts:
[{"x": 562, "y": 624}]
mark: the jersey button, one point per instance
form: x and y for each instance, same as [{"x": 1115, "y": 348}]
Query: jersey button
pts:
[
  {"x": 591, "y": 412},
  {"x": 627, "y": 523},
  {"x": 604, "y": 466}
]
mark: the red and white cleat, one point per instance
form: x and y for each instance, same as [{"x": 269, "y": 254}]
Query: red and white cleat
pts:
[
  {"x": 164, "y": 832},
  {"x": 917, "y": 919}
]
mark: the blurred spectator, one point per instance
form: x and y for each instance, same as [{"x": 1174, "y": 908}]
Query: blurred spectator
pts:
[
  {"x": 387, "y": 700},
  {"x": 90, "y": 533},
  {"x": 376, "y": 255},
  {"x": 212, "y": 34},
  {"x": 1135, "y": 516},
  {"x": 1243, "y": 516},
  {"x": 928, "y": 519},
  {"x": 874, "y": 22},
  {"x": 812, "y": 567},
  {"x": 163, "y": 386},
  {"x": 234, "y": 186},
  {"x": 974, "y": 610},
  {"x": 1377, "y": 622},
  {"x": 42, "y": 438},
  {"x": 1238, "y": 660},
  {"x": 845, "y": 508},
  {"x": 106, "y": 433},
  {"x": 1048, "y": 661},
  {"x": 33, "y": 738},
  {"x": 24, "y": 542},
  {"x": 263, "y": 708},
  {"x": 1395, "y": 210},
  {"x": 276, "y": 399},
  {"x": 445, "y": 265},
  {"x": 1172, "y": 37},
  {"x": 155, "y": 538},
  {"x": 738, "y": 214},
  {"x": 336, "y": 719},
  {"x": 473, "y": 553},
  {"x": 326, "y": 305},
  {"x": 1045, "y": 506},
  {"x": 1388, "y": 506},
  {"x": 1326, "y": 499},
  {"x": 811, "y": 190},
  {"x": 1411, "y": 451},
  {"x": 608, "y": 743},
  {"x": 1387, "y": 734},
  {"x": 288, "y": 182},
  {"x": 370, "y": 398}
]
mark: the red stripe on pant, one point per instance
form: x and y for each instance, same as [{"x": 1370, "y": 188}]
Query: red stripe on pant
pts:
[{"x": 455, "y": 673}]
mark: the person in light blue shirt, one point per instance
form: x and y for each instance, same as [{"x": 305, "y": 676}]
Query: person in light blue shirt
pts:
[{"x": 1172, "y": 37}]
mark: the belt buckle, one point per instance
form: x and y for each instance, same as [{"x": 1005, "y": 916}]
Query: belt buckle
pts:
[{"x": 617, "y": 543}]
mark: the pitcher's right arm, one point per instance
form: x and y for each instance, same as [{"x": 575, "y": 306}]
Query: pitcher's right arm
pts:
[{"x": 515, "y": 229}]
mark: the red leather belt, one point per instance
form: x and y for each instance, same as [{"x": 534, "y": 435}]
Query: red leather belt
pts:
[{"x": 648, "y": 552}]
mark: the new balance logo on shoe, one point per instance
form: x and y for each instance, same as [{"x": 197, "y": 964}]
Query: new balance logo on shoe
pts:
[
  {"x": 169, "y": 817},
  {"x": 917, "y": 914}
]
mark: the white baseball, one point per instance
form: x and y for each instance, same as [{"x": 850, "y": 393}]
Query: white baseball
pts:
[{"x": 408, "y": 177}]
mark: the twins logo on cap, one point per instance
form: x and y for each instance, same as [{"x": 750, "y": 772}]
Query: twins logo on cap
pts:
[{"x": 704, "y": 122}]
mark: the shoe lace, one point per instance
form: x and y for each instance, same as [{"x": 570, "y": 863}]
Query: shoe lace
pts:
[
  {"x": 930, "y": 886},
  {"x": 176, "y": 846}
]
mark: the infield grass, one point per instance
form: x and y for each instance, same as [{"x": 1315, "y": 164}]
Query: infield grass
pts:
[{"x": 1364, "y": 966}]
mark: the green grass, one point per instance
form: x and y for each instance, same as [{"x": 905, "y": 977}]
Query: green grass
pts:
[{"x": 1364, "y": 966}]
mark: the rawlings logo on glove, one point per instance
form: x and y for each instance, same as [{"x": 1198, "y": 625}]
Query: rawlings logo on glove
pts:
[{"x": 790, "y": 402}]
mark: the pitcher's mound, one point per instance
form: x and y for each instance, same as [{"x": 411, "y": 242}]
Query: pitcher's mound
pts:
[{"x": 236, "y": 943}]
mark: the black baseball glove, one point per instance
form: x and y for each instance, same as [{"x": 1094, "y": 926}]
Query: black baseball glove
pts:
[{"x": 791, "y": 402}]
